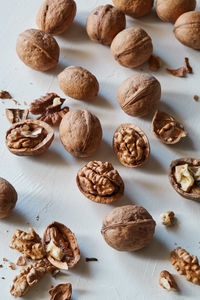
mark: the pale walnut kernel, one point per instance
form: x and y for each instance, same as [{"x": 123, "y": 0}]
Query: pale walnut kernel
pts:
[
  {"x": 184, "y": 177},
  {"x": 167, "y": 281},
  {"x": 168, "y": 218}
]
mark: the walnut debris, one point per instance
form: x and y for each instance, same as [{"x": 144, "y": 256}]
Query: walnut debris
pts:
[
  {"x": 1, "y": 266},
  {"x": 15, "y": 102},
  {"x": 196, "y": 98},
  {"x": 87, "y": 259},
  {"x": 5, "y": 95},
  {"x": 16, "y": 115},
  {"x": 21, "y": 261},
  {"x": 61, "y": 291},
  {"x": 25, "y": 103},
  {"x": 155, "y": 63},
  {"x": 37, "y": 218},
  {"x": 168, "y": 218},
  {"x": 180, "y": 72},
  {"x": 12, "y": 266},
  {"x": 188, "y": 68},
  {"x": 167, "y": 281},
  {"x": 5, "y": 259}
]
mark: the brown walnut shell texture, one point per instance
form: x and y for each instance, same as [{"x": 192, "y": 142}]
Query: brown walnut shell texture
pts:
[
  {"x": 100, "y": 182},
  {"x": 104, "y": 22},
  {"x": 167, "y": 129},
  {"x": 62, "y": 291},
  {"x": 187, "y": 29},
  {"x": 138, "y": 94},
  {"x": 37, "y": 49},
  {"x": 8, "y": 198},
  {"x": 80, "y": 132},
  {"x": 134, "y": 8},
  {"x": 192, "y": 162},
  {"x": 70, "y": 242},
  {"x": 41, "y": 147},
  {"x": 132, "y": 47},
  {"x": 171, "y": 10},
  {"x": 55, "y": 17},
  {"x": 128, "y": 228},
  {"x": 131, "y": 145}
]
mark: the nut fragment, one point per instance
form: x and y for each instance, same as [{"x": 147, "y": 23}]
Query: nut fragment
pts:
[
  {"x": 155, "y": 63},
  {"x": 131, "y": 145},
  {"x": 166, "y": 128},
  {"x": 100, "y": 182},
  {"x": 196, "y": 97},
  {"x": 62, "y": 291},
  {"x": 180, "y": 72},
  {"x": 134, "y": 8},
  {"x": 21, "y": 261},
  {"x": 8, "y": 198},
  {"x": 12, "y": 266},
  {"x": 168, "y": 218},
  {"x": 188, "y": 68},
  {"x": 5, "y": 95},
  {"x": 16, "y": 115},
  {"x": 167, "y": 281},
  {"x": 61, "y": 246}
]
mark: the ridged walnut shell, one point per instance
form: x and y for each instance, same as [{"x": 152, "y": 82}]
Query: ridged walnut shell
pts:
[
  {"x": 128, "y": 228},
  {"x": 64, "y": 239},
  {"x": 8, "y": 198},
  {"x": 131, "y": 145},
  {"x": 192, "y": 162},
  {"x": 34, "y": 145},
  {"x": 134, "y": 8}
]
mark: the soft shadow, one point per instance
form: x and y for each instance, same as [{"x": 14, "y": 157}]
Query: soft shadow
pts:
[
  {"x": 76, "y": 33},
  {"x": 55, "y": 71},
  {"x": 76, "y": 293},
  {"x": 50, "y": 157},
  {"x": 153, "y": 166},
  {"x": 101, "y": 101},
  {"x": 73, "y": 56},
  {"x": 41, "y": 288},
  {"x": 16, "y": 218},
  {"x": 125, "y": 200},
  {"x": 82, "y": 268}
]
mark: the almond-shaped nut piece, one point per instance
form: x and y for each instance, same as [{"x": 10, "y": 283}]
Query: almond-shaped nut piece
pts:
[
  {"x": 37, "y": 49},
  {"x": 128, "y": 228},
  {"x": 62, "y": 291},
  {"x": 61, "y": 246},
  {"x": 30, "y": 137},
  {"x": 166, "y": 128},
  {"x": 167, "y": 281},
  {"x": 8, "y": 198},
  {"x": 131, "y": 145},
  {"x": 100, "y": 182},
  {"x": 134, "y": 8},
  {"x": 184, "y": 175}
]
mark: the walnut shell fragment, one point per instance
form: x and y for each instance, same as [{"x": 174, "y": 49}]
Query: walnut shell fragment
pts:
[
  {"x": 100, "y": 182},
  {"x": 62, "y": 291},
  {"x": 30, "y": 137},
  {"x": 180, "y": 72},
  {"x": 15, "y": 115},
  {"x": 61, "y": 246},
  {"x": 184, "y": 175},
  {"x": 167, "y": 129},
  {"x": 131, "y": 145}
]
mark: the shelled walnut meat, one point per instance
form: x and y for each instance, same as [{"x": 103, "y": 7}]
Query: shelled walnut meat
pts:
[
  {"x": 62, "y": 291},
  {"x": 30, "y": 137},
  {"x": 55, "y": 17},
  {"x": 100, "y": 182},
  {"x": 61, "y": 246},
  {"x": 184, "y": 175},
  {"x": 131, "y": 145},
  {"x": 8, "y": 198},
  {"x": 15, "y": 115},
  {"x": 134, "y": 8},
  {"x": 166, "y": 128},
  {"x": 128, "y": 228},
  {"x": 167, "y": 281},
  {"x": 168, "y": 218}
]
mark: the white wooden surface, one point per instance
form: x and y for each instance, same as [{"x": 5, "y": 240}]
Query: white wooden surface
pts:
[{"x": 46, "y": 184}]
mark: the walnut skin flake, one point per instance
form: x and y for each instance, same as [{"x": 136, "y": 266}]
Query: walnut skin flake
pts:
[
  {"x": 188, "y": 68},
  {"x": 16, "y": 115},
  {"x": 180, "y": 72},
  {"x": 61, "y": 291}
]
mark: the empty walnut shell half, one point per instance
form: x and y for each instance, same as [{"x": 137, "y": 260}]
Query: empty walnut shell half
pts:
[
  {"x": 131, "y": 145},
  {"x": 100, "y": 182},
  {"x": 30, "y": 137},
  {"x": 61, "y": 246},
  {"x": 166, "y": 128},
  {"x": 184, "y": 175}
]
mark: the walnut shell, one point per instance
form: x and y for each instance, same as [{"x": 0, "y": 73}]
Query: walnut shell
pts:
[
  {"x": 37, "y": 49},
  {"x": 55, "y": 17},
  {"x": 134, "y": 8},
  {"x": 8, "y": 198},
  {"x": 78, "y": 83},
  {"x": 132, "y": 47},
  {"x": 62, "y": 238},
  {"x": 170, "y": 10},
  {"x": 194, "y": 193},
  {"x": 128, "y": 228},
  {"x": 131, "y": 145},
  {"x": 62, "y": 291},
  {"x": 29, "y": 137},
  {"x": 138, "y": 94},
  {"x": 187, "y": 29},
  {"x": 80, "y": 132},
  {"x": 104, "y": 22}
]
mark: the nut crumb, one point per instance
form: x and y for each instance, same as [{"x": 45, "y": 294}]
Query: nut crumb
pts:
[
  {"x": 188, "y": 68},
  {"x": 155, "y": 63},
  {"x": 5, "y": 95},
  {"x": 91, "y": 259},
  {"x": 167, "y": 281},
  {"x": 37, "y": 218},
  {"x": 180, "y": 72},
  {"x": 15, "y": 102},
  {"x": 168, "y": 218},
  {"x": 12, "y": 266},
  {"x": 2, "y": 277},
  {"x": 1, "y": 266},
  {"x": 5, "y": 259},
  {"x": 21, "y": 261},
  {"x": 25, "y": 103},
  {"x": 196, "y": 97}
]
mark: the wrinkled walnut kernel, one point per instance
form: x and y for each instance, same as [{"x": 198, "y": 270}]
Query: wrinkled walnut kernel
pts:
[
  {"x": 168, "y": 218},
  {"x": 167, "y": 281},
  {"x": 16, "y": 115},
  {"x": 61, "y": 291}
]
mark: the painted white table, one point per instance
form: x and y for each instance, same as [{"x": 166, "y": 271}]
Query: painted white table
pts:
[{"x": 46, "y": 184}]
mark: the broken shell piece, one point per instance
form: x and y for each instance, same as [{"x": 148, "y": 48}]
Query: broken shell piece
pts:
[
  {"x": 61, "y": 291},
  {"x": 180, "y": 72},
  {"x": 16, "y": 115}
]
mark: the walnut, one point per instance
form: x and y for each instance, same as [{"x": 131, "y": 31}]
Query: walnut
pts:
[
  {"x": 186, "y": 265},
  {"x": 5, "y": 95},
  {"x": 168, "y": 218},
  {"x": 61, "y": 246},
  {"x": 21, "y": 261},
  {"x": 100, "y": 182},
  {"x": 16, "y": 115},
  {"x": 155, "y": 63},
  {"x": 134, "y": 8},
  {"x": 8, "y": 198},
  {"x": 131, "y": 145},
  {"x": 28, "y": 244},
  {"x": 128, "y": 228},
  {"x": 62, "y": 291},
  {"x": 166, "y": 128},
  {"x": 30, "y": 137},
  {"x": 180, "y": 72},
  {"x": 167, "y": 281}
]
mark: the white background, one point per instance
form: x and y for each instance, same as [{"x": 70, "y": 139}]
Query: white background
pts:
[{"x": 46, "y": 184}]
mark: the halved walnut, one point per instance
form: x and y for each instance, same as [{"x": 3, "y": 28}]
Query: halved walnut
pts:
[
  {"x": 15, "y": 115},
  {"x": 30, "y": 137},
  {"x": 131, "y": 145},
  {"x": 61, "y": 246},
  {"x": 62, "y": 291}
]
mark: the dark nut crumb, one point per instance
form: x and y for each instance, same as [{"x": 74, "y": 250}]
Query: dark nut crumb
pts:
[
  {"x": 196, "y": 97},
  {"x": 12, "y": 266},
  {"x": 1, "y": 266},
  {"x": 87, "y": 259},
  {"x": 188, "y": 68},
  {"x": 180, "y": 72},
  {"x": 5, "y": 95}
]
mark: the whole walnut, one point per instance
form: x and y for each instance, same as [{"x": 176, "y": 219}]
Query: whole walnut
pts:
[
  {"x": 37, "y": 49},
  {"x": 138, "y": 94},
  {"x": 134, "y": 8},
  {"x": 132, "y": 47},
  {"x": 128, "y": 228},
  {"x": 8, "y": 198},
  {"x": 187, "y": 29},
  {"x": 170, "y": 10},
  {"x": 55, "y": 17},
  {"x": 104, "y": 22},
  {"x": 78, "y": 83},
  {"x": 80, "y": 133}
]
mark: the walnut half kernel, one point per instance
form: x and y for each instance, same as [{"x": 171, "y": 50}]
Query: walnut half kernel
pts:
[{"x": 167, "y": 281}]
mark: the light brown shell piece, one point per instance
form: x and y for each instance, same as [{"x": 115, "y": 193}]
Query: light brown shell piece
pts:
[
  {"x": 8, "y": 198},
  {"x": 128, "y": 228},
  {"x": 62, "y": 291},
  {"x": 15, "y": 115},
  {"x": 131, "y": 145},
  {"x": 134, "y": 8}
]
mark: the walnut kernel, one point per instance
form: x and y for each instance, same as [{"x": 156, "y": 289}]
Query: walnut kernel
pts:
[
  {"x": 168, "y": 218},
  {"x": 167, "y": 281}
]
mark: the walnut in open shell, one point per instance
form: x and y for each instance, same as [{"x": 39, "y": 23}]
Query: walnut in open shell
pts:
[
  {"x": 30, "y": 137},
  {"x": 61, "y": 246}
]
